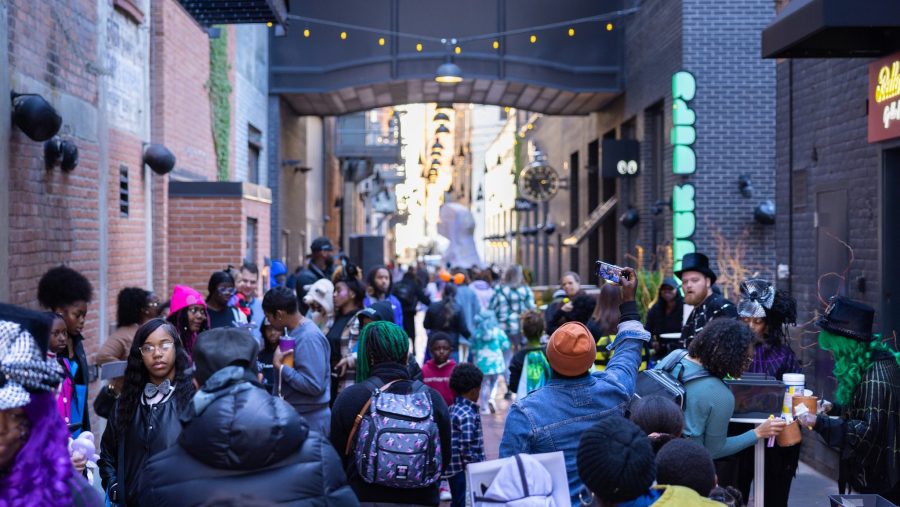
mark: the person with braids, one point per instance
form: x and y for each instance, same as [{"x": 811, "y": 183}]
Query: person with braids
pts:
[
  {"x": 722, "y": 349},
  {"x": 768, "y": 312},
  {"x": 382, "y": 355},
  {"x": 187, "y": 312},
  {"x": 144, "y": 421},
  {"x": 35, "y": 467},
  {"x": 868, "y": 401},
  {"x": 67, "y": 292}
]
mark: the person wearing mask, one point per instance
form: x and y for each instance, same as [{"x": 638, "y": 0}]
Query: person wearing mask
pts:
[
  {"x": 271, "y": 336},
  {"x": 510, "y": 299},
  {"x": 305, "y": 385},
  {"x": 446, "y": 316},
  {"x": 67, "y": 292},
  {"x": 722, "y": 349},
  {"x": 697, "y": 281},
  {"x": 553, "y": 417},
  {"x": 379, "y": 284},
  {"x": 618, "y": 466},
  {"x": 320, "y": 300},
  {"x": 134, "y": 307},
  {"x": 35, "y": 467},
  {"x": 576, "y": 306},
  {"x": 349, "y": 294},
  {"x": 237, "y": 438},
  {"x": 410, "y": 294},
  {"x": 320, "y": 265},
  {"x": 665, "y": 315},
  {"x": 187, "y": 312},
  {"x": 382, "y": 358},
  {"x": 144, "y": 421},
  {"x": 248, "y": 298},
  {"x": 867, "y": 370},
  {"x": 221, "y": 314},
  {"x": 768, "y": 312}
]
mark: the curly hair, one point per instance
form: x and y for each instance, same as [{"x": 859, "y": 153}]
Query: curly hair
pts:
[
  {"x": 136, "y": 375},
  {"x": 782, "y": 314},
  {"x": 130, "y": 303},
  {"x": 659, "y": 417},
  {"x": 63, "y": 286},
  {"x": 465, "y": 377},
  {"x": 380, "y": 342},
  {"x": 370, "y": 281},
  {"x": 722, "y": 347},
  {"x": 851, "y": 360}
]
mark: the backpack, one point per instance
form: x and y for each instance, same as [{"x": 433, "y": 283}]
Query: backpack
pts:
[
  {"x": 663, "y": 381},
  {"x": 398, "y": 443},
  {"x": 535, "y": 373}
]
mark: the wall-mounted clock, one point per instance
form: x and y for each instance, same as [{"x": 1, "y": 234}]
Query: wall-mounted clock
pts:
[{"x": 538, "y": 182}]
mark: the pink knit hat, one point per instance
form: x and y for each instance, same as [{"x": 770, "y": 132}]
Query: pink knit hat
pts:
[{"x": 184, "y": 296}]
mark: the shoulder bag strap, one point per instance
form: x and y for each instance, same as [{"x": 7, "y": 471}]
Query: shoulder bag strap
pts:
[
  {"x": 120, "y": 468},
  {"x": 362, "y": 414}
]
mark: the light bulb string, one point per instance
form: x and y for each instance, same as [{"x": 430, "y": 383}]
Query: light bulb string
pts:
[{"x": 459, "y": 40}]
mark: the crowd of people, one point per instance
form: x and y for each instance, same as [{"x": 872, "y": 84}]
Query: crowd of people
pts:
[{"x": 310, "y": 393}]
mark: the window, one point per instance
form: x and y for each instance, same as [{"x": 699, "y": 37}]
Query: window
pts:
[
  {"x": 250, "y": 247},
  {"x": 254, "y": 147},
  {"x": 123, "y": 191}
]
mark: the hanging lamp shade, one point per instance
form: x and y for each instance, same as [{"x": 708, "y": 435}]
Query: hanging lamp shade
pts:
[
  {"x": 437, "y": 146},
  {"x": 442, "y": 130},
  {"x": 449, "y": 73},
  {"x": 441, "y": 117}
]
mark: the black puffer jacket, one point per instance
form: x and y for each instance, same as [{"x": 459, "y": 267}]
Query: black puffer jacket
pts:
[{"x": 239, "y": 440}]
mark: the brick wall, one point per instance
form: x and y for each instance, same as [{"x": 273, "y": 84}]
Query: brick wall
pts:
[
  {"x": 204, "y": 236},
  {"x": 250, "y": 96}
]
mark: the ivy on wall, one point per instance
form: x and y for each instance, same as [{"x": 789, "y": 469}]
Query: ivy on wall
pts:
[{"x": 219, "y": 88}]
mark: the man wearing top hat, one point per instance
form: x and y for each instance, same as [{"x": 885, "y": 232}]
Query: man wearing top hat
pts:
[
  {"x": 867, "y": 371},
  {"x": 697, "y": 281}
]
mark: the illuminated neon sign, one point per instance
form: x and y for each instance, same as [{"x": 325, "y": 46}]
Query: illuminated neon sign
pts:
[
  {"x": 684, "y": 162},
  {"x": 884, "y": 99}
]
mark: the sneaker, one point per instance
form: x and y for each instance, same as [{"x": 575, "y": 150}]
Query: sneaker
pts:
[
  {"x": 445, "y": 492},
  {"x": 492, "y": 405}
]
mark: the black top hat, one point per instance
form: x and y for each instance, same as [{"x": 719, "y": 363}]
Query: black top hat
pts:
[
  {"x": 696, "y": 262},
  {"x": 848, "y": 318}
]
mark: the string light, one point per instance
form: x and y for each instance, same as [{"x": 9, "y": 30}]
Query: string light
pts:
[
  {"x": 506, "y": 109},
  {"x": 343, "y": 35},
  {"x": 571, "y": 32},
  {"x": 609, "y": 27},
  {"x": 419, "y": 47},
  {"x": 458, "y": 50},
  {"x": 269, "y": 24},
  {"x": 306, "y": 32},
  {"x": 533, "y": 39},
  {"x": 496, "y": 44},
  {"x": 381, "y": 41}
]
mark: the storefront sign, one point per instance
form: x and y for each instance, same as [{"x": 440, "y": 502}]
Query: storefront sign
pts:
[
  {"x": 621, "y": 158},
  {"x": 684, "y": 162},
  {"x": 884, "y": 99}
]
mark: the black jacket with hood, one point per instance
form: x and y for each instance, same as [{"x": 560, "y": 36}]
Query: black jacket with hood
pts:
[{"x": 237, "y": 440}]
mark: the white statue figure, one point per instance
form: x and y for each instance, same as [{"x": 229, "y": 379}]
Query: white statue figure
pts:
[{"x": 458, "y": 225}]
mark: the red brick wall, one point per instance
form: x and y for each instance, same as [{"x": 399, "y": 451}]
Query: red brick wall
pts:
[{"x": 261, "y": 211}]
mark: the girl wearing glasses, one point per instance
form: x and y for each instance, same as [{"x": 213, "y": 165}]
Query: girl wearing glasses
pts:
[
  {"x": 221, "y": 314},
  {"x": 144, "y": 421},
  {"x": 188, "y": 315}
]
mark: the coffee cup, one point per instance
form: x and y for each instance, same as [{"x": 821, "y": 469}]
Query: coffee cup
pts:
[
  {"x": 809, "y": 401},
  {"x": 287, "y": 344},
  {"x": 791, "y": 435}
]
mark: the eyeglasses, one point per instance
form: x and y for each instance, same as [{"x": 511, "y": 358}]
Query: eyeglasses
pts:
[
  {"x": 226, "y": 291},
  {"x": 196, "y": 310},
  {"x": 148, "y": 350},
  {"x": 153, "y": 304}
]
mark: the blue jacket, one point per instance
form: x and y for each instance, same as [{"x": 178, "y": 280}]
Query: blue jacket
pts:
[{"x": 553, "y": 417}]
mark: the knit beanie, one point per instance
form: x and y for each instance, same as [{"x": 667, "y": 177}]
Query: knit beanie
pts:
[
  {"x": 683, "y": 462},
  {"x": 572, "y": 349},
  {"x": 615, "y": 460}
]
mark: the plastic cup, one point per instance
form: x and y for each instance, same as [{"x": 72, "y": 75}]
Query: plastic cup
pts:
[{"x": 286, "y": 344}]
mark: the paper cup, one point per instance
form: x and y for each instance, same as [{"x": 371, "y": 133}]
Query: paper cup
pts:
[
  {"x": 809, "y": 401},
  {"x": 790, "y": 436}
]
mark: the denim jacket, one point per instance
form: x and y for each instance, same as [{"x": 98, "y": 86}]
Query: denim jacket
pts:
[{"x": 554, "y": 417}]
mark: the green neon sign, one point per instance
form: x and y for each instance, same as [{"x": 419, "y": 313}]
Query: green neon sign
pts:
[{"x": 684, "y": 162}]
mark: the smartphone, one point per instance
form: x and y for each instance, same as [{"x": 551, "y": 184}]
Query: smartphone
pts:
[{"x": 609, "y": 272}]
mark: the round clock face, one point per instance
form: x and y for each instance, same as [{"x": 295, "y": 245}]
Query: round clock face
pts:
[{"x": 538, "y": 183}]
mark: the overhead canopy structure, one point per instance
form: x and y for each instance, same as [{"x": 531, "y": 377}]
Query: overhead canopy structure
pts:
[
  {"x": 833, "y": 29},
  {"x": 219, "y": 12},
  {"x": 340, "y": 57}
]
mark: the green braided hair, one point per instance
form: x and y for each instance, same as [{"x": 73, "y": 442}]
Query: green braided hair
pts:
[
  {"x": 380, "y": 342},
  {"x": 851, "y": 360}
]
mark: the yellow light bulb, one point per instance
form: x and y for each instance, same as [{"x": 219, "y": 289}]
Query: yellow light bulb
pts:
[
  {"x": 419, "y": 47},
  {"x": 306, "y": 32},
  {"x": 458, "y": 50},
  {"x": 496, "y": 44},
  {"x": 343, "y": 35},
  {"x": 269, "y": 24},
  {"x": 533, "y": 39},
  {"x": 506, "y": 109},
  {"x": 609, "y": 27},
  {"x": 530, "y": 126},
  {"x": 381, "y": 41},
  {"x": 571, "y": 32}
]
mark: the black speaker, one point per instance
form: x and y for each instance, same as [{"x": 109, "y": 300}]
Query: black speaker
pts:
[{"x": 366, "y": 251}]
